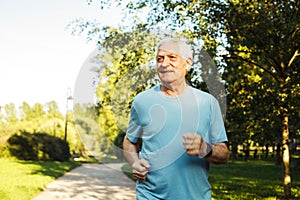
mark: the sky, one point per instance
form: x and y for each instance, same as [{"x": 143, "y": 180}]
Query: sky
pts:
[{"x": 39, "y": 59}]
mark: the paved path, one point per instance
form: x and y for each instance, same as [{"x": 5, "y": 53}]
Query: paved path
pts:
[{"x": 91, "y": 182}]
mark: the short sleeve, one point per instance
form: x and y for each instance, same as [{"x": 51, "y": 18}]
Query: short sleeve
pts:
[
  {"x": 134, "y": 129},
  {"x": 217, "y": 130}
]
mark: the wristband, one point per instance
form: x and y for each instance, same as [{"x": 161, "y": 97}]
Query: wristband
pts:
[
  {"x": 209, "y": 154},
  {"x": 205, "y": 150}
]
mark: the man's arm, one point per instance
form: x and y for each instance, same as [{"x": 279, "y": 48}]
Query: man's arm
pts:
[
  {"x": 130, "y": 151},
  {"x": 139, "y": 166},
  {"x": 195, "y": 146},
  {"x": 219, "y": 154}
]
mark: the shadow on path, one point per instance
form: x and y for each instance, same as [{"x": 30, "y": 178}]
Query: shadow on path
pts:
[{"x": 91, "y": 181}]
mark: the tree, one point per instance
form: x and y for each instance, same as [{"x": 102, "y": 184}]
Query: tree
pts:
[
  {"x": 124, "y": 69},
  {"x": 11, "y": 115},
  {"x": 263, "y": 35},
  {"x": 53, "y": 110},
  {"x": 31, "y": 118},
  {"x": 27, "y": 113},
  {"x": 250, "y": 114},
  {"x": 130, "y": 72}
]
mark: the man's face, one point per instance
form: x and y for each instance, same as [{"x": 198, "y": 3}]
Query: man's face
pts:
[{"x": 171, "y": 66}]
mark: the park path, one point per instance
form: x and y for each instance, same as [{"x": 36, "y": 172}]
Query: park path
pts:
[{"x": 91, "y": 182}]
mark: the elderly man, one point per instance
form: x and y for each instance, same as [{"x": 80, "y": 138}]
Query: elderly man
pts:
[{"x": 181, "y": 128}]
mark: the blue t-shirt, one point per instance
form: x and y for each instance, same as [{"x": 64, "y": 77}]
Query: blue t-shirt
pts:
[{"x": 161, "y": 121}]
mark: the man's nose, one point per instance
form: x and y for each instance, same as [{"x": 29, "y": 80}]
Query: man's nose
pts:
[{"x": 166, "y": 62}]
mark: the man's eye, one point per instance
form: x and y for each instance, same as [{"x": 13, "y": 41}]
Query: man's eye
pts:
[
  {"x": 173, "y": 57},
  {"x": 159, "y": 59}
]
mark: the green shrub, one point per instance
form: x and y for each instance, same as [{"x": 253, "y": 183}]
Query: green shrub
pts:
[
  {"x": 38, "y": 146},
  {"x": 23, "y": 146}
]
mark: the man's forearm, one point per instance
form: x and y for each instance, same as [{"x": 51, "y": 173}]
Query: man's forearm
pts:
[
  {"x": 219, "y": 155},
  {"x": 130, "y": 151}
]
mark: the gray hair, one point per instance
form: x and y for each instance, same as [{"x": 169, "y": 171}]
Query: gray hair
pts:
[{"x": 184, "y": 49}]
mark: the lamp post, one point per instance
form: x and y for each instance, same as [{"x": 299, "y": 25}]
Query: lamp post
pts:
[{"x": 69, "y": 98}]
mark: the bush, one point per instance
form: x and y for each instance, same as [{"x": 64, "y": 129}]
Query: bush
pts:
[
  {"x": 23, "y": 146},
  {"x": 38, "y": 146}
]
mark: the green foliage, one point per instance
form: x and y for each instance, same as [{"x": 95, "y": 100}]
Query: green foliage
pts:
[
  {"x": 23, "y": 147},
  {"x": 119, "y": 139},
  {"x": 10, "y": 113},
  {"x": 36, "y": 119},
  {"x": 38, "y": 146},
  {"x": 251, "y": 113},
  {"x": 91, "y": 135},
  {"x": 53, "y": 110},
  {"x": 123, "y": 70},
  {"x": 262, "y": 35}
]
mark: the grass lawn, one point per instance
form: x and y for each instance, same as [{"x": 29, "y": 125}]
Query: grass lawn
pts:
[
  {"x": 25, "y": 179},
  {"x": 236, "y": 180},
  {"x": 251, "y": 180},
  {"x": 255, "y": 179}
]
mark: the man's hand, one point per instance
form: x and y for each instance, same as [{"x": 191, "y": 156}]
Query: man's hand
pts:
[
  {"x": 195, "y": 146},
  {"x": 192, "y": 143},
  {"x": 140, "y": 169}
]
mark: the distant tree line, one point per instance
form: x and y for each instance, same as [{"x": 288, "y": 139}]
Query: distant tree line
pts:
[{"x": 37, "y": 132}]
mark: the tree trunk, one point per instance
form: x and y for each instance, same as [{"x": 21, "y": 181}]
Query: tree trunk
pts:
[
  {"x": 278, "y": 155},
  {"x": 267, "y": 150},
  {"x": 286, "y": 157},
  {"x": 247, "y": 152},
  {"x": 234, "y": 152}
]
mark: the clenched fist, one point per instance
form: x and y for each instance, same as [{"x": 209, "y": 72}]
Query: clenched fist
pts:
[
  {"x": 195, "y": 146},
  {"x": 140, "y": 169}
]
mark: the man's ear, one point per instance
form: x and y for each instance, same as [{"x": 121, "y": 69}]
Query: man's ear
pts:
[{"x": 189, "y": 63}]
